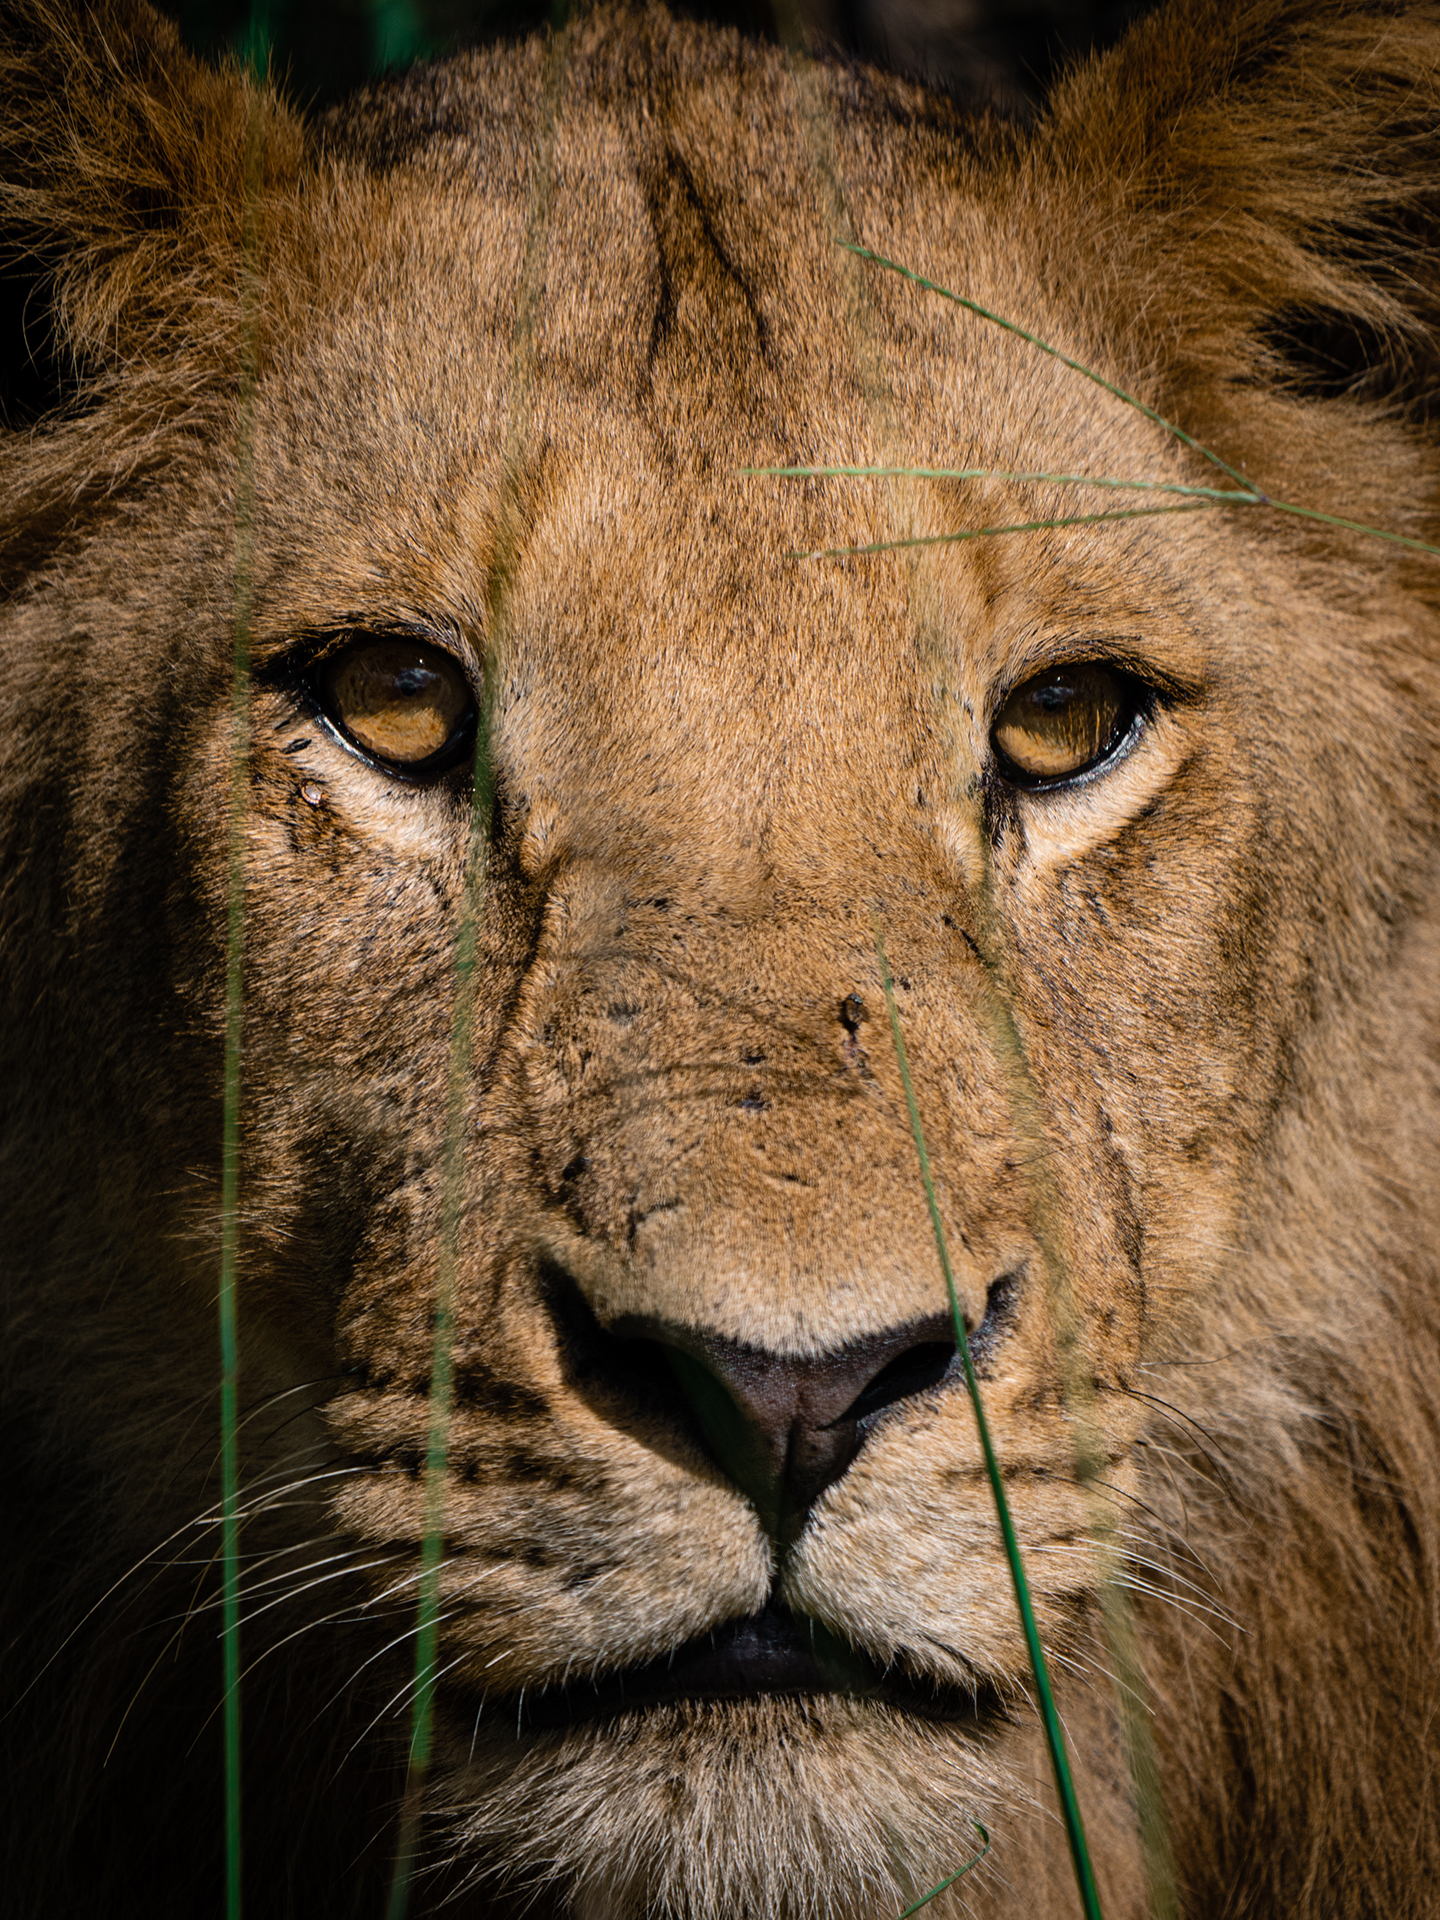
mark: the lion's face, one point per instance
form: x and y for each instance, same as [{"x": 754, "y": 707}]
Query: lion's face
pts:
[{"x": 575, "y": 800}]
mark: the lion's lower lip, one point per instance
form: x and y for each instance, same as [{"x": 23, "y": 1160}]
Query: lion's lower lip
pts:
[{"x": 772, "y": 1652}]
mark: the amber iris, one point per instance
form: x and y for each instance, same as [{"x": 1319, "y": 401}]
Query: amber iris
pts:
[
  {"x": 403, "y": 701},
  {"x": 1063, "y": 721}
]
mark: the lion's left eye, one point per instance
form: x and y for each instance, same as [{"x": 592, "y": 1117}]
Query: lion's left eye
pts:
[
  {"x": 404, "y": 702},
  {"x": 1064, "y": 721}
]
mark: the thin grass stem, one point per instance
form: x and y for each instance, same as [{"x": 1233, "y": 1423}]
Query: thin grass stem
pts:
[
  {"x": 1044, "y": 346},
  {"x": 1226, "y": 496},
  {"x": 1352, "y": 526},
  {"x": 1017, "y": 526},
  {"x": 959, "y": 1874},
  {"x": 227, "y": 1299},
  {"x": 1252, "y": 495},
  {"x": 1049, "y": 1717},
  {"x": 442, "y": 1362}
]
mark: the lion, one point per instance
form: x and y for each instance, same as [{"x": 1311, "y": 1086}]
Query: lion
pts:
[{"x": 469, "y": 786}]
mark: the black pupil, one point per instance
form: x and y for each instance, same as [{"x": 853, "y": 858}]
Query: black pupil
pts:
[{"x": 1055, "y": 695}]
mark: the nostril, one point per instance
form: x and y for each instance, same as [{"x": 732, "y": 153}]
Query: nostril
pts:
[
  {"x": 784, "y": 1426},
  {"x": 929, "y": 1362},
  {"x": 923, "y": 1366},
  {"x": 781, "y": 1426},
  {"x": 628, "y": 1378},
  {"x": 1002, "y": 1300}
]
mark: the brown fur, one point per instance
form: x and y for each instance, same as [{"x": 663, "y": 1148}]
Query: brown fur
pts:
[{"x": 1173, "y": 1030}]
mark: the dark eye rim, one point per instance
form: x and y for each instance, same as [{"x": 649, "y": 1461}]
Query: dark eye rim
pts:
[
  {"x": 1142, "y": 699},
  {"x": 305, "y": 680}
]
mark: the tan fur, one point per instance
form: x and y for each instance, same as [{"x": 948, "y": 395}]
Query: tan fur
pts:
[{"x": 1173, "y": 1029}]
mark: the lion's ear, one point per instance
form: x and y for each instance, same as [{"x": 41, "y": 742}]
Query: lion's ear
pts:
[
  {"x": 125, "y": 166},
  {"x": 1261, "y": 182}
]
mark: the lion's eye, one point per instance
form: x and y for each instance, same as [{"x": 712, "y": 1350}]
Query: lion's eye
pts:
[
  {"x": 403, "y": 701},
  {"x": 1064, "y": 721}
]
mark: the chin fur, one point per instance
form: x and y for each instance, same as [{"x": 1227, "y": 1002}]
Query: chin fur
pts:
[{"x": 774, "y": 1809}]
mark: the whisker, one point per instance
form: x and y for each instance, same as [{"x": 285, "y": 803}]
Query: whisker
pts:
[
  {"x": 109, "y": 1593},
  {"x": 321, "y": 1580},
  {"x": 412, "y": 1681},
  {"x": 1162, "y": 1528},
  {"x": 1192, "y": 1609},
  {"x": 410, "y": 1631},
  {"x": 1179, "y": 1415}
]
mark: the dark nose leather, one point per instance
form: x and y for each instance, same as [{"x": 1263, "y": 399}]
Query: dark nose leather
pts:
[{"x": 784, "y": 1428}]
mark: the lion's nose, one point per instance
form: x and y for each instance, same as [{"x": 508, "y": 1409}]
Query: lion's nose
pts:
[{"x": 785, "y": 1428}]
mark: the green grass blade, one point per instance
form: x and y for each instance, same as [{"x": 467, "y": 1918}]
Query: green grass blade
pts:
[
  {"x": 1050, "y": 1719},
  {"x": 442, "y": 1362},
  {"x": 1252, "y": 495},
  {"x": 227, "y": 1302},
  {"x": 959, "y": 1874},
  {"x": 229, "y": 1239},
  {"x": 1351, "y": 526},
  {"x": 990, "y": 533},
  {"x": 1225, "y": 496},
  {"x": 1046, "y": 1214},
  {"x": 1208, "y": 496}
]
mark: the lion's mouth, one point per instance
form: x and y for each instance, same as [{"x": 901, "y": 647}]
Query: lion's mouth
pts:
[{"x": 772, "y": 1652}]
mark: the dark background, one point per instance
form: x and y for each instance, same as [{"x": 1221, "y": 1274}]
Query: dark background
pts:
[{"x": 1005, "y": 50}]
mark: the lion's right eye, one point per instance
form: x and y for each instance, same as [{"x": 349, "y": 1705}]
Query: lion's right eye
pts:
[
  {"x": 404, "y": 702},
  {"x": 1064, "y": 722}
]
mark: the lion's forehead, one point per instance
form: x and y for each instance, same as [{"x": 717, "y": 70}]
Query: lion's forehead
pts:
[{"x": 637, "y": 304}]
